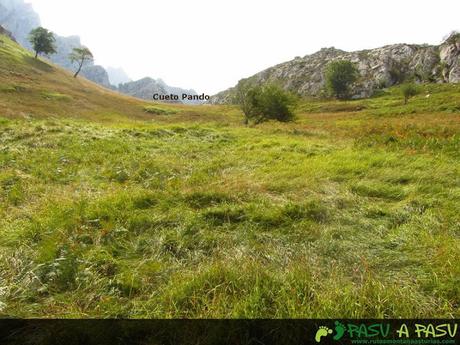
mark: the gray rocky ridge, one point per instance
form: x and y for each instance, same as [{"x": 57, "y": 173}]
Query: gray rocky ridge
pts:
[
  {"x": 145, "y": 88},
  {"x": 378, "y": 68}
]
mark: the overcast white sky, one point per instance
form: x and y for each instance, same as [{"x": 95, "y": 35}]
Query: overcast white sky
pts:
[{"x": 209, "y": 45}]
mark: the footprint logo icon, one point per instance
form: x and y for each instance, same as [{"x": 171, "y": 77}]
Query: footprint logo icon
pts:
[
  {"x": 322, "y": 332},
  {"x": 339, "y": 330}
]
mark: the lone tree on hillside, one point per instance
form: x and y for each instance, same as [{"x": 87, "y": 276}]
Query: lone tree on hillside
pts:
[
  {"x": 409, "y": 90},
  {"x": 80, "y": 56},
  {"x": 340, "y": 75},
  {"x": 245, "y": 98},
  {"x": 263, "y": 103},
  {"x": 42, "y": 41}
]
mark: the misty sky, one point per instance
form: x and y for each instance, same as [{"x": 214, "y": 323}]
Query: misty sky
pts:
[{"x": 209, "y": 45}]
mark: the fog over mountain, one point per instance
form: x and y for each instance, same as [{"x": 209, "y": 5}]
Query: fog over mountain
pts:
[
  {"x": 19, "y": 18},
  {"x": 117, "y": 76}
]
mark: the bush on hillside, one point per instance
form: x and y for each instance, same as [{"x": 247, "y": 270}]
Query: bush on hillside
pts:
[
  {"x": 409, "y": 90},
  {"x": 263, "y": 103},
  {"x": 340, "y": 75}
]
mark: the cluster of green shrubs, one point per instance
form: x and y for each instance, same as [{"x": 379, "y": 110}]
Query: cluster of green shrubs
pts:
[{"x": 267, "y": 102}]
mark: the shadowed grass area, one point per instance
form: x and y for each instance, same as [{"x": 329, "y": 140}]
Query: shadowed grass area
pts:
[{"x": 108, "y": 211}]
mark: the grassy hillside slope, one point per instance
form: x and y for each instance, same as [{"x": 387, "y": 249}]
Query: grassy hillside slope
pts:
[
  {"x": 109, "y": 211},
  {"x": 31, "y": 88}
]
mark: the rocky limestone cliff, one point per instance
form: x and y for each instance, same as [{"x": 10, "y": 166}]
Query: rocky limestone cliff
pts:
[
  {"x": 378, "y": 68},
  {"x": 449, "y": 54},
  {"x": 96, "y": 74}
]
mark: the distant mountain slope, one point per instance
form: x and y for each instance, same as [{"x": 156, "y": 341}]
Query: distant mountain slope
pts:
[
  {"x": 145, "y": 88},
  {"x": 381, "y": 67},
  {"x": 20, "y": 18},
  {"x": 38, "y": 88}
]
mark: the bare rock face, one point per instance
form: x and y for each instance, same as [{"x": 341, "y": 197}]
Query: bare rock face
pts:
[
  {"x": 96, "y": 74},
  {"x": 450, "y": 58},
  {"x": 378, "y": 68}
]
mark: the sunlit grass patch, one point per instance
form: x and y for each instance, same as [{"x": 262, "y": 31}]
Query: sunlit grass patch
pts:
[
  {"x": 150, "y": 109},
  {"x": 55, "y": 96}
]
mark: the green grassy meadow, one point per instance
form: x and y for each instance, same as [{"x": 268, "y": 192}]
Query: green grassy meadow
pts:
[{"x": 115, "y": 207}]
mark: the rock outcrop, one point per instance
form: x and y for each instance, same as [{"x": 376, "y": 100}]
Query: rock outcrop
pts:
[
  {"x": 449, "y": 54},
  {"x": 378, "y": 68},
  {"x": 97, "y": 74},
  {"x": 6, "y": 33}
]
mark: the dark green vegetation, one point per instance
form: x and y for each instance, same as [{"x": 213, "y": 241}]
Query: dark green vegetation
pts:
[
  {"x": 408, "y": 91},
  {"x": 340, "y": 76},
  {"x": 109, "y": 210},
  {"x": 42, "y": 41},
  {"x": 263, "y": 103}
]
